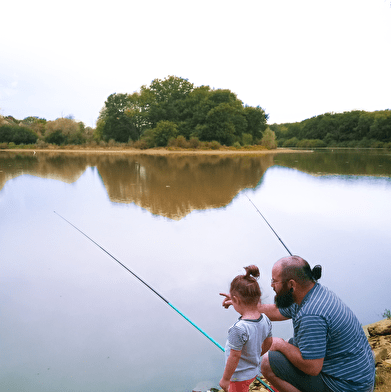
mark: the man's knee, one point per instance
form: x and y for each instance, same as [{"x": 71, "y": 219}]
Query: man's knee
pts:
[{"x": 266, "y": 370}]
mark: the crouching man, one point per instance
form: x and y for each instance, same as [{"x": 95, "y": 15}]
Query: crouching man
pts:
[{"x": 329, "y": 351}]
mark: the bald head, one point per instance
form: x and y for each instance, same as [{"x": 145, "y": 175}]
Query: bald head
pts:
[{"x": 296, "y": 268}]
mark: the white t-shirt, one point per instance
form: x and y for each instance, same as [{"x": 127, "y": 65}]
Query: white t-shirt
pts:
[{"x": 248, "y": 336}]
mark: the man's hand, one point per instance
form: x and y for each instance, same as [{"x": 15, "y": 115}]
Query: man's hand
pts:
[
  {"x": 227, "y": 302},
  {"x": 224, "y": 384},
  {"x": 276, "y": 345}
]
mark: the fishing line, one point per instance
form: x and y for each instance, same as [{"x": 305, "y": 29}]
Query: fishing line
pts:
[
  {"x": 259, "y": 212},
  {"x": 158, "y": 294}
]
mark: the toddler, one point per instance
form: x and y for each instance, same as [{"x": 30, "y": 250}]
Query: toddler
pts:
[{"x": 249, "y": 338}]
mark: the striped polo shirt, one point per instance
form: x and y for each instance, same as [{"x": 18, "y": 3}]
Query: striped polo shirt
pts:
[{"x": 324, "y": 327}]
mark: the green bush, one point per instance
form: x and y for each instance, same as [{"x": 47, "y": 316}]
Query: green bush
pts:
[
  {"x": 364, "y": 143},
  {"x": 269, "y": 139},
  {"x": 56, "y": 137},
  {"x": 195, "y": 142},
  {"x": 214, "y": 145},
  {"x": 247, "y": 139},
  {"x": 291, "y": 142},
  {"x": 180, "y": 142},
  {"x": 237, "y": 145},
  {"x": 377, "y": 144},
  {"x": 17, "y": 134},
  {"x": 140, "y": 144},
  {"x": 311, "y": 143},
  {"x": 149, "y": 138},
  {"x": 164, "y": 131}
]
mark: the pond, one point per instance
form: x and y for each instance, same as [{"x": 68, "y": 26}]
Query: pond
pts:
[{"x": 73, "y": 319}]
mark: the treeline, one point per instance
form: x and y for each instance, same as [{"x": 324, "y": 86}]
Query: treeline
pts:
[
  {"x": 39, "y": 131},
  {"x": 173, "y": 112},
  {"x": 348, "y": 129},
  {"x": 170, "y": 112},
  {"x": 173, "y": 109}
]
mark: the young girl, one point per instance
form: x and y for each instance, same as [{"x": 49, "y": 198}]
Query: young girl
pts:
[{"x": 249, "y": 338}]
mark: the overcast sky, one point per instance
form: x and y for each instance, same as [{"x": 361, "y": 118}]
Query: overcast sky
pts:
[{"x": 296, "y": 59}]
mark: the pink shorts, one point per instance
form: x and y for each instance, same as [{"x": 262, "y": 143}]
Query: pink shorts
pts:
[{"x": 240, "y": 386}]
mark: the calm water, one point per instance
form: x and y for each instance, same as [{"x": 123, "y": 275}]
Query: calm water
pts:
[{"x": 73, "y": 320}]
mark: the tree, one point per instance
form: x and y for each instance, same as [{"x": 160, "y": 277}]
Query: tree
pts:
[
  {"x": 197, "y": 112},
  {"x": 193, "y": 110},
  {"x": 164, "y": 131},
  {"x": 365, "y": 121},
  {"x": 17, "y": 134},
  {"x": 256, "y": 121},
  {"x": 381, "y": 127},
  {"x": 164, "y": 98},
  {"x": 269, "y": 139},
  {"x": 219, "y": 125},
  {"x": 116, "y": 124},
  {"x": 36, "y": 124},
  {"x": 218, "y": 115},
  {"x": 137, "y": 112},
  {"x": 64, "y": 131}
]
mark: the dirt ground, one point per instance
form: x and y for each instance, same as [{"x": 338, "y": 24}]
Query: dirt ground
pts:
[{"x": 383, "y": 380}]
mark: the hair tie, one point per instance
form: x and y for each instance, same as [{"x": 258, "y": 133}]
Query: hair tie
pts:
[{"x": 316, "y": 272}]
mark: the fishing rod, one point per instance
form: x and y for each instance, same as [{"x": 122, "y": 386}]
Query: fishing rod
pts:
[
  {"x": 145, "y": 283},
  {"x": 157, "y": 293},
  {"x": 259, "y": 212}
]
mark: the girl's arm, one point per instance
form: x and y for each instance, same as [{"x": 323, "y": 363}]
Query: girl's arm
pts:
[
  {"x": 230, "y": 367},
  {"x": 267, "y": 343}
]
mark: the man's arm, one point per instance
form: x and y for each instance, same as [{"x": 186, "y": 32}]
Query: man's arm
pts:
[
  {"x": 271, "y": 311},
  {"x": 311, "y": 367}
]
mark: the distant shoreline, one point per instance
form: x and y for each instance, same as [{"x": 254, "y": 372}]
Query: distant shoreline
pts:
[{"x": 154, "y": 151}]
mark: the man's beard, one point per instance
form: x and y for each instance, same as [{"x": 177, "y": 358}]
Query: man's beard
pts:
[{"x": 285, "y": 299}]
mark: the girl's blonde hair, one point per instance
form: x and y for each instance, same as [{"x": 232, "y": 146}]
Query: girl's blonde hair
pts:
[{"x": 246, "y": 286}]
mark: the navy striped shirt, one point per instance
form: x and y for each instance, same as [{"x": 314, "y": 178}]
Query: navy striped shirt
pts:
[{"x": 324, "y": 327}]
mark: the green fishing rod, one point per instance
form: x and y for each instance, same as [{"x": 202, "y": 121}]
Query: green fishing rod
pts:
[
  {"x": 143, "y": 282},
  {"x": 157, "y": 293}
]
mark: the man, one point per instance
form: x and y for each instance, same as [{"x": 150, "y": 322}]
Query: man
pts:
[{"x": 329, "y": 351}]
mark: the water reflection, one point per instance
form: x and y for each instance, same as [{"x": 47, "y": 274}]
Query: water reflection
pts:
[
  {"x": 341, "y": 162},
  {"x": 73, "y": 320},
  {"x": 168, "y": 186}
]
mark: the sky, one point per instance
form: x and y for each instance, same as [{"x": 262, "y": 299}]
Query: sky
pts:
[{"x": 295, "y": 59}]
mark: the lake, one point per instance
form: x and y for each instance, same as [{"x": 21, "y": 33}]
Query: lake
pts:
[{"x": 72, "y": 319}]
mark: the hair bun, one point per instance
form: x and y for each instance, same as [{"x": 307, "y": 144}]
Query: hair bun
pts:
[
  {"x": 252, "y": 270},
  {"x": 316, "y": 272}
]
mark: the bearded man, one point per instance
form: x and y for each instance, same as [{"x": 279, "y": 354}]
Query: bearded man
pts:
[{"x": 329, "y": 351}]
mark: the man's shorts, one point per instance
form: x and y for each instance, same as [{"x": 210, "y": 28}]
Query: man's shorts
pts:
[{"x": 283, "y": 369}]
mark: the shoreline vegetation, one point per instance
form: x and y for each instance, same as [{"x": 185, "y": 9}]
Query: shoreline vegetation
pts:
[
  {"x": 152, "y": 151},
  {"x": 174, "y": 114},
  {"x": 128, "y": 150}
]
